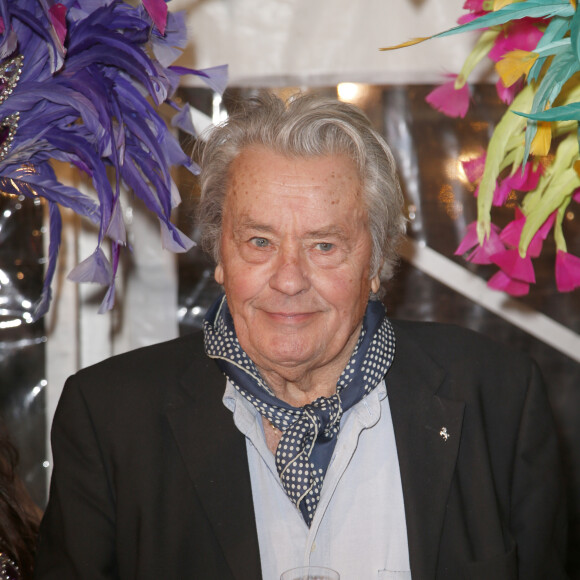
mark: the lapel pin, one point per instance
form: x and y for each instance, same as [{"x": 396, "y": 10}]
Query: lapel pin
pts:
[{"x": 444, "y": 434}]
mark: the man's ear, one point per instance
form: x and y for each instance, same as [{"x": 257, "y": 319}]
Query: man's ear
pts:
[{"x": 219, "y": 274}]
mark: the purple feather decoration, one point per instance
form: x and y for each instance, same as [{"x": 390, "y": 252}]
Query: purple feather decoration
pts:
[{"x": 77, "y": 79}]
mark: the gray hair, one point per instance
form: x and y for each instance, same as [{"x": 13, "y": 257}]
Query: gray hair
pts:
[{"x": 306, "y": 126}]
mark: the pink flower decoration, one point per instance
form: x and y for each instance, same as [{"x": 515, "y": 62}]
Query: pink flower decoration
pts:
[
  {"x": 474, "y": 167},
  {"x": 465, "y": 18},
  {"x": 501, "y": 281},
  {"x": 474, "y": 6},
  {"x": 476, "y": 10},
  {"x": 514, "y": 265},
  {"x": 57, "y": 15},
  {"x": 448, "y": 100},
  {"x": 482, "y": 253},
  {"x": 576, "y": 196},
  {"x": 545, "y": 228},
  {"x": 526, "y": 181},
  {"x": 501, "y": 192},
  {"x": 520, "y": 34},
  {"x": 567, "y": 271},
  {"x": 508, "y": 94},
  {"x": 512, "y": 233},
  {"x": 157, "y": 9}
]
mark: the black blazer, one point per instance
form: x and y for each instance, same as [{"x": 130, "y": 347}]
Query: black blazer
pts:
[{"x": 151, "y": 477}]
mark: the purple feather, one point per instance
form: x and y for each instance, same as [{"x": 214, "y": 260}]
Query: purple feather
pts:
[
  {"x": 169, "y": 46},
  {"x": 34, "y": 186},
  {"x": 41, "y": 306},
  {"x": 182, "y": 120},
  {"x": 44, "y": 31},
  {"x": 96, "y": 268},
  {"x": 86, "y": 104},
  {"x": 173, "y": 239},
  {"x": 216, "y": 77},
  {"x": 108, "y": 301},
  {"x": 116, "y": 229}
]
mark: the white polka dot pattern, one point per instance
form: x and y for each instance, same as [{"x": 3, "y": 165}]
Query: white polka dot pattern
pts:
[{"x": 308, "y": 433}]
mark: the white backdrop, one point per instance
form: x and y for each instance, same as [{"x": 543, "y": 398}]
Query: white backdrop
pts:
[{"x": 313, "y": 41}]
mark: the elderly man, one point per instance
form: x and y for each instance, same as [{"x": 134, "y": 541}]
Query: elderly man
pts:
[{"x": 337, "y": 437}]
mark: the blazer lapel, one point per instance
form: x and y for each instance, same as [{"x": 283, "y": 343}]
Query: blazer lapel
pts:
[
  {"x": 214, "y": 452},
  {"x": 427, "y": 432}
]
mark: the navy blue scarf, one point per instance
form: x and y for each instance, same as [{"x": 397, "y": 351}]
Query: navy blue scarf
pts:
[{"x": 309, "y": 433}]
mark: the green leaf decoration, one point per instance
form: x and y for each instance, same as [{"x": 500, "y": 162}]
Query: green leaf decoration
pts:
[
  {"x": 555, "y": 31},
  {"x": 558, "y": 47},
  {"x": 575, "y": 34},
  {"x": 549, "y": 101},
  {"x": 555, "y": 187},
  {"x": 561, "y": 69},
  {"x": 569, "y": 112},
  {"x": 480, "y": 51},
  {"x": 558, "y": 192},
  {"x": 558, "y": 231},
  {"x": 509, "y": 126},
  {"x": 514, "y": 12}
]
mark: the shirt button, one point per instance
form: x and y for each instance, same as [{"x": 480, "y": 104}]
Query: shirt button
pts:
[{"x": 313, "y": 547}]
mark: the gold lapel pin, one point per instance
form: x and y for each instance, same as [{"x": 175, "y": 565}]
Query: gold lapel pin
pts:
[{"x": 444, "y": 434}]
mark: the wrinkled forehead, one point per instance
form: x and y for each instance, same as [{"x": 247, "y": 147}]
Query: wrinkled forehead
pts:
[{"x": 258, "y": 165}]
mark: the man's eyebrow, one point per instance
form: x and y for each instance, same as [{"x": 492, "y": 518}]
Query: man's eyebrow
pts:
[
  {"x": 330, "y": 231},
  {"x": 247, "y": 223}
]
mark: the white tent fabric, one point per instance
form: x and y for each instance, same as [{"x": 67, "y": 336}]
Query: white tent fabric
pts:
[{"x": 310, "y": 41}]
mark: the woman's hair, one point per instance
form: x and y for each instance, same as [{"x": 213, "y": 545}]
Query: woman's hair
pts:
[
  {"x": 19, "y": 515},
  {"x": 305, "y": 126}
]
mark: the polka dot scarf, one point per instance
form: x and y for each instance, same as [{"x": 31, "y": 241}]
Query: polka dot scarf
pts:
[{"x": 309, "y": 433}]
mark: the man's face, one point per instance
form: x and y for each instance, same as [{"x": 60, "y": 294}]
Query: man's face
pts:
[{"x": 295, "y": 255}]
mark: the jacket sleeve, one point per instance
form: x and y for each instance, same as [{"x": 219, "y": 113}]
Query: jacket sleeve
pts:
[
  {"x": 77, "y": 534},
  {"x": 538, "y": 515}
]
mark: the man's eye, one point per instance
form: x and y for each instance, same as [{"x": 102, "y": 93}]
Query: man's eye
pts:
[
  {"x": 260, "y": 242},
  {"x": 324, "y": 246}
]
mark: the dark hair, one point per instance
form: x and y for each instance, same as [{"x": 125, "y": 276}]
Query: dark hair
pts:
[
  {"x": 19, "y": 515},
  {"x": 305, "y": 126}
]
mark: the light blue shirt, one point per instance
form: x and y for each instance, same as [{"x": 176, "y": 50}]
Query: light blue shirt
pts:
[{"x": 359, "y": 527}]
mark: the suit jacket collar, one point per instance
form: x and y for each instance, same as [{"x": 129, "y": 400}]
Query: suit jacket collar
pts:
[
  {"x": 427, "y": 432},
  {"x": 214, "y": 452}
]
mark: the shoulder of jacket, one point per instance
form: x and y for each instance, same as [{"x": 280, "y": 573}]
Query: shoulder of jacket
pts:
[{"x": 453, "y": 341}]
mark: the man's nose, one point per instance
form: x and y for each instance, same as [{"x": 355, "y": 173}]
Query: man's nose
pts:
[{"x": 290, "y": 274}]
